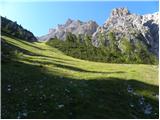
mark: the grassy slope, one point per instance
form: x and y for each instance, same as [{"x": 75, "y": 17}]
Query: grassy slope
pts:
[{"x": 45, "y": 79}]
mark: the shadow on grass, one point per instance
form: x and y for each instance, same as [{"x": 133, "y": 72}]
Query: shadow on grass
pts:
[
  {"x": 30, "y": 45},
  {"x": 28, "y": 91},
  {"x": 68, "y": 66},
  {"x": 12, "y": 47},
  {"x": 83, "y": 70},
  {"x": 8, "y": 49}
]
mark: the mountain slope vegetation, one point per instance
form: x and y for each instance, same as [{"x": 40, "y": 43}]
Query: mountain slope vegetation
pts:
[
  {"x": 124, "y": 37},
  {"x": 16, "y": 30},
  {"x": 81, "y": 47},
  {"x": 39, "y": 81}
]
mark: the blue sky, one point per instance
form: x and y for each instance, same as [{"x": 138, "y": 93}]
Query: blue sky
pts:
[{"x": 38, "y": 17}]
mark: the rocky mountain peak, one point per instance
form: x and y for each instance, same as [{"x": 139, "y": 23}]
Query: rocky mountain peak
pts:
[
  {"x": 131, "y": 26},
  {"x": 119, "y": 12},
  {"x": 74, "y": 26},
  {"x": 121, "y": 22},
  {"x": 69, "y": 21}
]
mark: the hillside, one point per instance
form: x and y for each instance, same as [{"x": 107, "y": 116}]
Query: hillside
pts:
[
  {"x": 76, "y": 27},
  {"x": 124, "y": 25},
  {"x": 39, "y": 81},
  {"x": 124, "y": 37},
  {"x": 12, "y": 28},
  {"x": 131, "y": 26},
  {"x": 75, "y": 47}
]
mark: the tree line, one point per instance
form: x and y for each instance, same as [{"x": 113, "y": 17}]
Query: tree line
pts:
[{"x": 81, "y": 47}]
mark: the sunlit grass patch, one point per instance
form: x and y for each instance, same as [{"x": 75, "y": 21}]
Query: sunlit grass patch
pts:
[{"x": 43, "y": 82}]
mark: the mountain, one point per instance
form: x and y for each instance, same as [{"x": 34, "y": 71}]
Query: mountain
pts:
[
  {"x": 12, "y": 28},
  {"x": 43, "y": 82},
  {"x": 132, "y": 27},
  {"x": 75, "y": 27}
]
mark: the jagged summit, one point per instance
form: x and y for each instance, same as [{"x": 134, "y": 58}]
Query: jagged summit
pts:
[
  {"x": 119, "y": 12},
  {"x": 69, "y": 21},
  {"x": 131, "y": 26},
  {"x": 121, "y": 22},
  {"x": 74, "y": 26}
]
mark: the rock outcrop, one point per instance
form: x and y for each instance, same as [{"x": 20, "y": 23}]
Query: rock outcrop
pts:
[
  {"x": 131, "y": 26},
  {"x": 75, "y": 27},
  {"x": 12, "y": 28},
  {"x": 121, "y": 22}
]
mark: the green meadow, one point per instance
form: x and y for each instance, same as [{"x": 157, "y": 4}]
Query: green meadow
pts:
[{"x": 39, "y": 81}]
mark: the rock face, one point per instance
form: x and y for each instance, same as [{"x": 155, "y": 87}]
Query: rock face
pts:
[
  {"x": 12, "y": 28},
  {"x": 122, "y": 23},
  {"x": 131, "y": 26},
  {"x": 75, "y": 27}
]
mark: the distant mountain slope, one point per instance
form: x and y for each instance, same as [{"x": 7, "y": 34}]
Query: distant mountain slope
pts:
[
  {"x": 123, "y": 24},
  {"x": 12, "y": 28},
  {"x": 75, "y": 27},
  {"x": 133, "y": 27},
  {"x": 124, "y": 38}
]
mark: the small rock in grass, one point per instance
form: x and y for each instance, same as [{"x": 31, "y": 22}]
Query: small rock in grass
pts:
[
  {"x": 41, "y": 98},
  {"x": 19, "y": 115},
  {"x": 44, "y": 112},
  {"x": 131, "y": 105},
  {"x": 130, "y": 90},
  {"x": 26, "y": 89},
  {"x": 67, "y": 90},
  {"x": 148, "y": 109},
  {"x": 155, "y": 114},
  {"x": 134, "y": 93},
  {"x": 70, "y": 113},
  {"x": 157, "y": 96},
  {"x": 44, "y": 96},
  {"x": 24, "y": 114},
  {"x": 52, "y": 95},
  {"x": 9, "y": 89},
  {"x": 71, "y": 82},
  {"x": 60, "y": 106},
  {"x": 141, "y": 100}
]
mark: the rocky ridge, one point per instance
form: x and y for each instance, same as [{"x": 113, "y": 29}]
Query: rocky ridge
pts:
[
  {"x": 131, "y": 26},
  {"x": 121, "y": 22},
  {"x": 12, "y": 28},
  {"x": 74, "y": 26}
]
